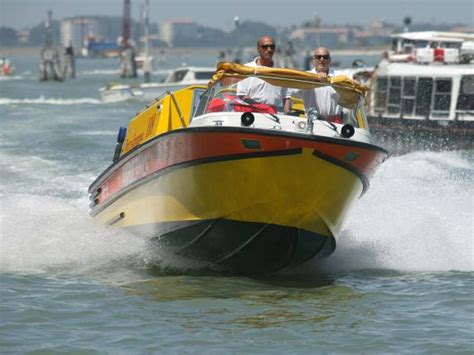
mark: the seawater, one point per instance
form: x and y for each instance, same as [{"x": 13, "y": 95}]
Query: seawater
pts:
[{"x": 400, "y": 281}]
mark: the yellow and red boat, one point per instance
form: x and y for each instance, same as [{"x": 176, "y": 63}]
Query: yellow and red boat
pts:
[{"x": 243, "y": 188}]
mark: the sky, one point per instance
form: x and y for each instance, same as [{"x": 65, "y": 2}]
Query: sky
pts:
[{"x": 220, "y": 13}]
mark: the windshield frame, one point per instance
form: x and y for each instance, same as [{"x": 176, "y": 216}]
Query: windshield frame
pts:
[{"x": 354, "y": 115}]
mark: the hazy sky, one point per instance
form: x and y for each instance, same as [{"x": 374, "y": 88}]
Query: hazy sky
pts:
[{"x": 220, "y": 13}]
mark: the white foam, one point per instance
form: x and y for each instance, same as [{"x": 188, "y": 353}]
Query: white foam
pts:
[
  {"x": 95, "y": 133},
  {"x": 30, "y": 168},
  {"x": 11, "y": 77},
  {"x": 417, "y": 215},
  {"x": 50, "y": 101},
  {"x": 101, "y": 72},
  {"x": 41, "y": 233}
]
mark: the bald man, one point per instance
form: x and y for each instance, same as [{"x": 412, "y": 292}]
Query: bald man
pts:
[
  {"x": 324, "y": 99},
  {"x": 255, "y": 90}
]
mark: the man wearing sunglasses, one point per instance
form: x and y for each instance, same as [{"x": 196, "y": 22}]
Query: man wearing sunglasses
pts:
[
  {"x": 324, "y": 99},
  {"x": 322, "y": 60},
  {"x": 255, "y": 90}
]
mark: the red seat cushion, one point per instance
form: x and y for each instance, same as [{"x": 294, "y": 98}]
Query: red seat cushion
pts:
[
  {"x": 260, "y": 108},
  {"x": 216, "y": 105}
]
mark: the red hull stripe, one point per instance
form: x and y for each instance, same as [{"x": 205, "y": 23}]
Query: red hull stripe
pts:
[
  {"x": 189, "y": 145},
  {"x": 169, "y": 169}
]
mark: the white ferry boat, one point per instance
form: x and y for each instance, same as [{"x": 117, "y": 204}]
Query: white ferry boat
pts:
[{"x": 423, "y": 93}]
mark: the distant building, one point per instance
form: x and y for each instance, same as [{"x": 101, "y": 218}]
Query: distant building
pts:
[
  {"x": 77, "y": 30},
  {"x": 466, "y": 29},
  {"x": 172, "y": 31},
  {"x": 375, "y": 34},
  {"x": 23, "y": 36},
  {"x": 332, "y": 37}
]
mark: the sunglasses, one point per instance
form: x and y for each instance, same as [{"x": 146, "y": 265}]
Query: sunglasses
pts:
[
  {"x": 267, "y": 46},
  {"x": 326, "y": 56}
]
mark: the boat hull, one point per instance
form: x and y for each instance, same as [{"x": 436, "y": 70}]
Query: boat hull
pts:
[
  {"x": 242, "y": 201},
  {"x": 238, "y": 246}
]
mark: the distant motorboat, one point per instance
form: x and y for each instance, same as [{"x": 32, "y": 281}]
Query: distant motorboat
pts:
[
  {"x": 141, "y": 59},
  {"x": 178, "y": 79}
]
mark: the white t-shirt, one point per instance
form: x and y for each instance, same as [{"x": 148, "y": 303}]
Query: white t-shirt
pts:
[
  {"x": 259, "y": 90},
  {"x": 323, "y": 99}
]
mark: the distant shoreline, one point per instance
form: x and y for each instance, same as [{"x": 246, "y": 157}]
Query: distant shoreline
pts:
[{"x": 35, "y": 51}]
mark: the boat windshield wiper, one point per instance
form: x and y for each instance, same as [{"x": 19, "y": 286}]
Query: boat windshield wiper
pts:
[
  {"x": 251, "y": 103},
  {"x": 346, "y": 131},
  {"x": 331, "y": 125}
]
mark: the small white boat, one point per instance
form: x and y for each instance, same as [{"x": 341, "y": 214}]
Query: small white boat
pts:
[
  {"x": 177, "y": 79},
  {"x": 142, "y": 59},
  {"x": 423, "y": 93}
]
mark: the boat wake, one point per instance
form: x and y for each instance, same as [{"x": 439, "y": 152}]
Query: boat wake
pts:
[
  {"x": 94, "y": 72},
  {"x": 101, "y": 72},
  {"x": 50, "y": 101},
  {"x": 51, "y": 235},
  {"x": 45, "y": 234},
  {"x": 11, "y": 77},
  {"x": 417, "y": 216}
]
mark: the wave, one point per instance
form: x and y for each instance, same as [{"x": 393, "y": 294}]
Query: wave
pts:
[
  {"x": 41, "y": 234},
  {"x": 42, "y": 176},
  {"x": 101, "y": 72},
  {"x": 95, "y": 133},
  {"x": 50, "y": 101},
  {"x": 416, "y": 216},
  {"x": 117, "y": 71},
  {"x": 11, "y": 77}
]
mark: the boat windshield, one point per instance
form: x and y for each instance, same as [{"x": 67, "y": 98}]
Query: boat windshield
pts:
[
  {"x": 203, "y": 75},
  {"x": 223, "y": 97}
]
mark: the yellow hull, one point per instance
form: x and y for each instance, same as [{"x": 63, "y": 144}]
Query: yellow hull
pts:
[{"x": 299, "y": 190}]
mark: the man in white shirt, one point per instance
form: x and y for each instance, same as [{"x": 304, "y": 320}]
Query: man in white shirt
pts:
[
  {"x": 324, "y": 99},
  {"x": 255, "y": 90}
]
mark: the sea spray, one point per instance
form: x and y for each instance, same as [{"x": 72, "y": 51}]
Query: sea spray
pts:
[
  {"x": 41, "y": 234},
  {"x": 50, "y": 101},
  {"x": 416, "y": 216}
]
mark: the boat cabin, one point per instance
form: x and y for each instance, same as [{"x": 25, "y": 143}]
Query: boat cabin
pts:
[
  {"x": 426, "y": 77},
  {"x": 432, "y": 47},
  {"x": 218, "y": 105},
  {"x": 425, "y": 92}
]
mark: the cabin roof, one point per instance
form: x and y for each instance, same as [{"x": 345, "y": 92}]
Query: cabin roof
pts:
[
  {"x": 350, "y": 91},
  {"x": 432, "y": 70},
  {"x": 454, "y": 37}
]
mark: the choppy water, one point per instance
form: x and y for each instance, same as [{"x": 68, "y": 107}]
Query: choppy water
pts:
[{"x": 401, "y": 280}]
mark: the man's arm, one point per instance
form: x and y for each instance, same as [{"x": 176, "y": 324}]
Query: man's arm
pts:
[
  {"x": 243, "y": 88},
  {"x": 287, "y": 105},
  {"x": 287, "y": 93}
]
